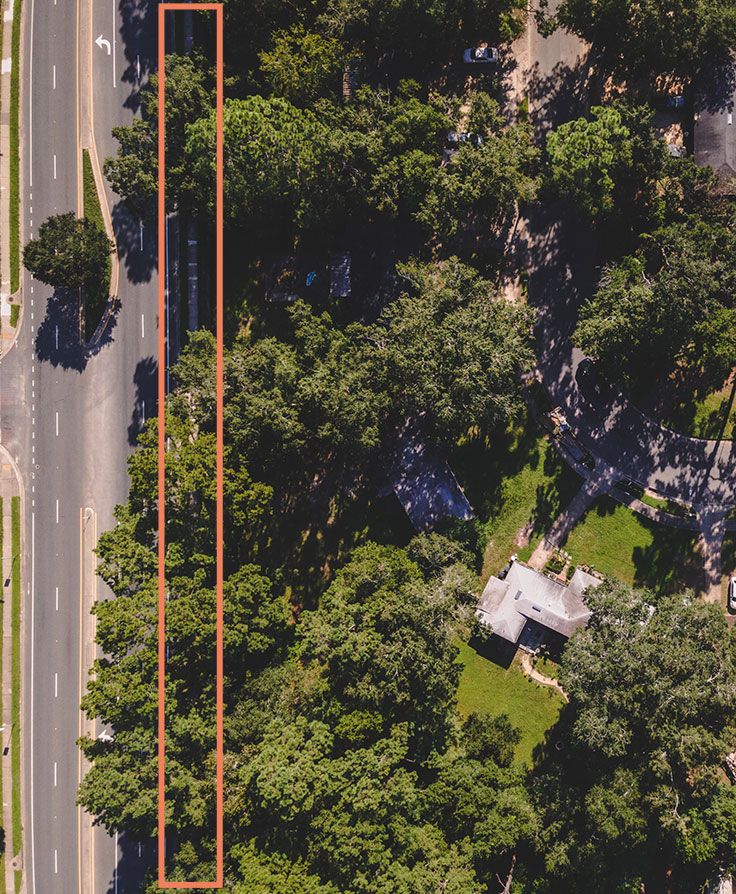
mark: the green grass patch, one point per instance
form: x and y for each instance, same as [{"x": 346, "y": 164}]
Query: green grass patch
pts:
[
  {"x": 15, "y": 695},
  {"x": 619, "y": 543},
  {"x": 703, "y": 409},
  {"x": 14, "y": 152},
  {"x": 518, "y": 485},
  {"x": 96, "y": 295},
  {"x": 14, "y": 314},
  {"x": 486, "y": 686},
  {"x": 2, "y": 853}
]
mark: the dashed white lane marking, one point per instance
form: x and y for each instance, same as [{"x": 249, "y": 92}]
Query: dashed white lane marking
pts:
[
  {"x": 57, "y": 512},
  {"x": 54, "y": 79},
  {"x": 56, "y": 864},
  {"x": 143, "y": 326},
  {"x": 54, "y": 774},
  {"x": 57, "y": 423},
  {"x": 57, "y": 599},
  {"x": 54, "y": 167}
]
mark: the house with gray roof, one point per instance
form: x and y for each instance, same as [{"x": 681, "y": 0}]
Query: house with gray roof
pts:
[
  {"x": 714, "y": 131},
  {"x": 530, "y": 609}
]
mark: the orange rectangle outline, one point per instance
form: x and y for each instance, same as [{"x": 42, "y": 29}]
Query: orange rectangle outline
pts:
[{"x": 162, "y": 10}]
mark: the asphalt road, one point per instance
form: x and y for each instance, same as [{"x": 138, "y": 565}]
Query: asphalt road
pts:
[{"x": 70, "y": 417}]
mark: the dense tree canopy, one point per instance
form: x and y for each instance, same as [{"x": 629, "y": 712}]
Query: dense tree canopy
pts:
[
  {"x": 655, "y": 36},
  {"x": 677, "y": 292},
  {"x": 69, "y": 252},
  {"x": 641, "y": 797}
]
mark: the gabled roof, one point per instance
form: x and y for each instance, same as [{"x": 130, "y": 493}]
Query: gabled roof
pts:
[{"x": 525, "y": 594}]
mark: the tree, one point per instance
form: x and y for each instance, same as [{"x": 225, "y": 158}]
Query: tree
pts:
[
  {"x": 303, "y": 65},
  {"x": 654, "y": 37},
  {"x": 649, "y": 306},
  {"x": 638, "y": 796},
  {"x": 69, "y": 252},
  {"x": 133, "y": 172},
  {"x": 275, "y": 169},
  {"x": 586, "y": 158},
  {"x": 455, "y": 352}
]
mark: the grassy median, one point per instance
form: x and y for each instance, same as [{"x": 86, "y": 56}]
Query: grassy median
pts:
[
  {"x": 96, "y": 295},
  {"x": 15, "y": 699},
  {"x": 14, "y": 155}
]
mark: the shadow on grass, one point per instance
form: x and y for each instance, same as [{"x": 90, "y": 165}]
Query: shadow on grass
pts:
[
  {"x": 495, "y": 649},
  {"x": 670, "y": 562}
]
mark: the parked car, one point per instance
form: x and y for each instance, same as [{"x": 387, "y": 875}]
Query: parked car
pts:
[
  {"x": 457, "y": 138},
  {"x": 667, "y": 101},
  {"x": 676, "y": 151},
  {"x": 732, "y": 595},
  {"x": 481, "y": 55},
  {"x": 592, "y": 385}
]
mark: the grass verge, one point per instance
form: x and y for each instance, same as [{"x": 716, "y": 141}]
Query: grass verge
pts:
[
  {"x": 15, "y": 698},
  {"x": 96, "y": 295},
  {"x": 14, "y": 153},
  {"x": 487, "y": 686},
  {"x": 2, "y": 830},
  {"x": 620, "y": 543},
  {"x": 517, "y": 484}
]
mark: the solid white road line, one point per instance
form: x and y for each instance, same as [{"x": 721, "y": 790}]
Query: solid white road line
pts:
[
  {"x": 114, "y": 29},
  {"x": 33, "y": 664},
  {"x": 30, "y": 134}
]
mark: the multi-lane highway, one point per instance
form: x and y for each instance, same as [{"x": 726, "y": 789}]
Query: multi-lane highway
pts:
[{"x": 74, "y": 416}]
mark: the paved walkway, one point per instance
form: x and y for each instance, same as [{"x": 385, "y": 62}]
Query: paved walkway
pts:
[
  {"x": 593, "y": 487},
  {"x": 528, "y": 668}
]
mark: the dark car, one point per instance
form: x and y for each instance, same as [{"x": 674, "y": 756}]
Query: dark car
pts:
[
  {"x": 480, "y": 55},
  {"x": 668, "y": 101},
  {"x": 592, "y": 385}
]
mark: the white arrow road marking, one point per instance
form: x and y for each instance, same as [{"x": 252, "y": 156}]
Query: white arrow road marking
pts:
[{"x": 102, "y": 42}]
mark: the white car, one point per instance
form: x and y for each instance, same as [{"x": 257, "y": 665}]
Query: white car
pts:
[
  {"x": 481, "y": 55},
  {"x": 732, "y": 595}
]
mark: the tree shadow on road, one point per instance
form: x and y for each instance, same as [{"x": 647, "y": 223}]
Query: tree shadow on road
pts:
[
  {"x": 58, "y": 339},
  {"x": 139, "y": 262},
  {"x": 146, "y": 397}
]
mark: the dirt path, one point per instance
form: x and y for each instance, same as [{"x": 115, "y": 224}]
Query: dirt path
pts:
[{"x": 526, "y": 664}]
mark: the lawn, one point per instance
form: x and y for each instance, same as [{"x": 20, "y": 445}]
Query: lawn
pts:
[
  {"x": 486, "y": 686},
  {"x": 516, "y": 482},
  {"x": 622, "y": 544},
  {"x": 96, "y": 294}
]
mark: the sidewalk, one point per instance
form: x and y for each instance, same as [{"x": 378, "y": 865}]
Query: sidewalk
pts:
[
  {"x": 8, "y": 333},
  {"x": 9, "y": 488}
]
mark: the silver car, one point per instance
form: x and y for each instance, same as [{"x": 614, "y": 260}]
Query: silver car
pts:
[
  {"x": 481, "y": 55},
  {"x": 732, "y": 595}
]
